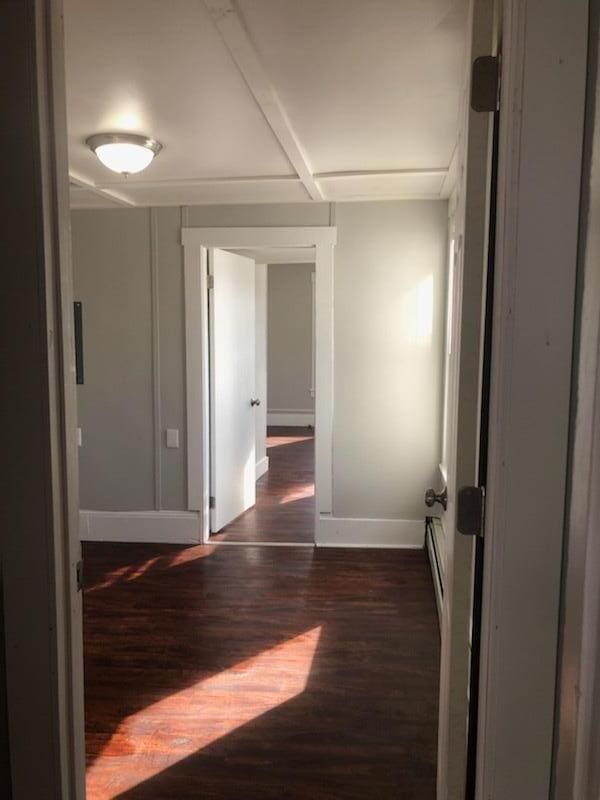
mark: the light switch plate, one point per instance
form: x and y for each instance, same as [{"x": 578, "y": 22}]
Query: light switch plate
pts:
[{"x": 172, "y": 437}]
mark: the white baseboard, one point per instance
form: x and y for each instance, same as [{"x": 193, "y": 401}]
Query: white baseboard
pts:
[
  {"x": 295, "y": 417},
  {"x": 262, "y": 466},
  {"x": 157, "y": 527},
  {"x": 340, "y": 532}
]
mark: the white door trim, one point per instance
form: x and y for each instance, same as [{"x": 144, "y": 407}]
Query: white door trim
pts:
[
  {"x": 195, "y": 242},
  {"x": 540, "y": 148}
]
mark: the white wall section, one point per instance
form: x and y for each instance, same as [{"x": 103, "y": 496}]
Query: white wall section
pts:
[
  {"x": 289, "y": 336},
  {"x": 390, "y": 268}
]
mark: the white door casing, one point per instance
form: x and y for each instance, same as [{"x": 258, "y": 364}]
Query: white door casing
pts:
[
  {"x": 232, "y": 386},
  {"x": 544, "y": 73},
  {"x": 196, "y": 242}
]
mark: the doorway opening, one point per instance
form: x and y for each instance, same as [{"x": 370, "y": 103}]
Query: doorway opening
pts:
[
  {"x": 262, "y": 411},
  {"x": 226, "y": 423}
]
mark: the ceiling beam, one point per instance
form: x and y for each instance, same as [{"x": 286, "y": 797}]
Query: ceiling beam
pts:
[
  {"x": 229, "y": 24},
  {"x": 107, "y": 194}
]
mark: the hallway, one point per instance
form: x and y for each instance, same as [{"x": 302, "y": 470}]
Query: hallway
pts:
[
  {"x": 285, "y": 495},
  {"x": 259, "y": 673}
]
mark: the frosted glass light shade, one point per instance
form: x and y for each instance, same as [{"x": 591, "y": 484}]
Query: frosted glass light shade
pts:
[{"x": 124, "y": 153}]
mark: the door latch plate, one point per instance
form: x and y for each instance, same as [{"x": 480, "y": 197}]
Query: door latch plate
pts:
[
  {"x": 485, "y": 83},
  {"x": 470, "y": 508}
]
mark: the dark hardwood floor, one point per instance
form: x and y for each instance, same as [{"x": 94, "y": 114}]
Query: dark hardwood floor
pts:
[
  {"x": 285, "y": 495},
  {"x": 259, "y": 673}
]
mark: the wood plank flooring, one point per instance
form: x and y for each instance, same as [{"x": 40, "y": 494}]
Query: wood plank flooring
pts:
[
  {"x": 259, "y": 673},
  {"x": 285, "y": 495}
]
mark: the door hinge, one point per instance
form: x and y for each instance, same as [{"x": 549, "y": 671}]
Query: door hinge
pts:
[
  {"x": 211, "y": 502},
  {"x": 485, "y": 84},
  {"x": 470, "y": 510},
  {"x": 210, "y": 281},
  {"x": 79, "y": 575}
]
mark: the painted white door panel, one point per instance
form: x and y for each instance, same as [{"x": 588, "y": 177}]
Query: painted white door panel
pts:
[
  {"x": 469, "y": 231},
  {"x": 232, "y": 378}
]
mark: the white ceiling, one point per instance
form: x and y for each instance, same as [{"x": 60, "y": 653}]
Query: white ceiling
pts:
[{"x": 266, "y": 100}]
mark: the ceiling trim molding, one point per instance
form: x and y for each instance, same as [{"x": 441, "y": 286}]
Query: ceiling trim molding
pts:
[
  {"x": 248, "y": 238},
  {"x": 378, "y": 173},
  {"x": 191, "y": 182},
  {"x": 230, "y": 25},
  {"x": 107, "y": 194}
]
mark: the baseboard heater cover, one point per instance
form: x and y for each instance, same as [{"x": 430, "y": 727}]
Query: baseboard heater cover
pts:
[{"x": 434, "y": 542}]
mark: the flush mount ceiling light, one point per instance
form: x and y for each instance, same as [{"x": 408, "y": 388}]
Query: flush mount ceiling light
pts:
[{"x": 125, "y": 153}]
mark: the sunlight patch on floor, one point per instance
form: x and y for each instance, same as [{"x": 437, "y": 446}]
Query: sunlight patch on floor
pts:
[
  {"x": 298, "y": 493},
  {"x": 113, "y": 577},
  {"x": 132, "y": 572},
  {"x": 185, "y": 722},
  {"x": 279, "y": 441},
  {"x": 191, "y": 554}
]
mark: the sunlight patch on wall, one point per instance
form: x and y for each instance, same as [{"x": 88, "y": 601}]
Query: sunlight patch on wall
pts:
[{"x": 417, "y": 313}]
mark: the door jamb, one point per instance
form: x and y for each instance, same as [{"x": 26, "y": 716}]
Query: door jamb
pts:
[
  {"x": 196, "y": 242},
  {"x": 39, "y": 526},
  {"x": 539, "y": 180}
]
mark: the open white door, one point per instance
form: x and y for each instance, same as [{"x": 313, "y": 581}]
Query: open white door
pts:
[
  {"x": 232, "y": 382},
  {"x": 469, "y": 238}
]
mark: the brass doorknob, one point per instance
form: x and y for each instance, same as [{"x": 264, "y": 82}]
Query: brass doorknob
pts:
[{"x": 431, "y": 498}]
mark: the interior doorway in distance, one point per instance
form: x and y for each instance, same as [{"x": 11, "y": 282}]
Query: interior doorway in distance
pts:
[{"x": 275, "y": 357}]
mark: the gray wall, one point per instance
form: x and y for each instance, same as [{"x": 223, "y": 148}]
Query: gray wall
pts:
[
  {"x": 111, "y": 257},
  {"x": 389, "y": 280},
  {"x": 289, "y": 337}
]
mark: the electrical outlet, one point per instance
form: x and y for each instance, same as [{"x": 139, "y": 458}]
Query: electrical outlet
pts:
[{"x": 172, "y": 437}]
